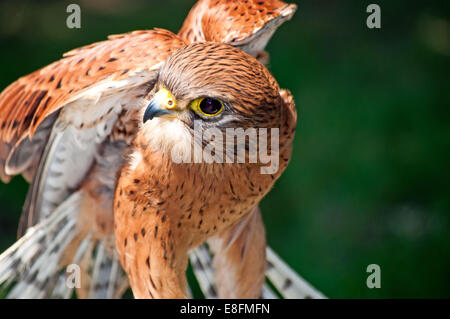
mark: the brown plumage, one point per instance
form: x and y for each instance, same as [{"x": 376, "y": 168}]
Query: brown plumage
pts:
[
  {"x": 73, "y": 127},
  {"x": 28, "y": 101},
  {"x": 247, "y": 25},
  {"x": 189, "y": 203}
]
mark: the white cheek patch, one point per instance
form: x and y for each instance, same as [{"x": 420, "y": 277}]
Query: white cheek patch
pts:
[
  {"x": 135, "y": 159},
  {"x": 168, "y": 136}
]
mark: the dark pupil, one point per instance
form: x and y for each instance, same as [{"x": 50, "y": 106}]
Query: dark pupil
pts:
[{"x": 210, "y": 106}]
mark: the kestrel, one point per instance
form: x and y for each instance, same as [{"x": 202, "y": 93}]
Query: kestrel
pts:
[{"x": 93, "y": 133}]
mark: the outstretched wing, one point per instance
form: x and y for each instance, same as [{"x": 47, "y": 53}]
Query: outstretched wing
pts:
[
  {"x": 77, "y": 82},
  {"x": 247, "y": 25},
  {"x": 63, "y": 127},
  {"x": 85, "y": 93}
]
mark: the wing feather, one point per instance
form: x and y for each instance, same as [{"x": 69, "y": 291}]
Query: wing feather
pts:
[
  {"x": 233, "y": 22},
  {"x": 98, "y": 67}
]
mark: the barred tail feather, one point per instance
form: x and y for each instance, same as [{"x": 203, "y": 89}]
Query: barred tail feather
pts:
[
  {"x": 200, "y": 258},
  {"x": 108, "y": 280},
  {"x": 268, "y": 293},
  {"x": 287, "y": 281},
  {"x": 33, "y": 261},
  {"x": 32, "y": 265},
  {"x": 61, "y": 290},
  {"x": 102, "y": 276}
]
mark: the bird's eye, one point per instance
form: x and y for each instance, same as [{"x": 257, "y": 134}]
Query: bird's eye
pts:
[{"x": 207, "y": 106}]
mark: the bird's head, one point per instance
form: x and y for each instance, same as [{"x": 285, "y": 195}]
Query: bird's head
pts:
[
  {"x": 216, "y": 84},
  {"x": 209, "y": 86}
]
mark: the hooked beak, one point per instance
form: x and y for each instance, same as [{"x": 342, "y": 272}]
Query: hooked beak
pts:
[{"x": 161, "y": 104}]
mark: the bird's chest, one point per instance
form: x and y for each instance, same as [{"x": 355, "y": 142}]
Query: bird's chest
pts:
[{"x": 195, "y": 201}]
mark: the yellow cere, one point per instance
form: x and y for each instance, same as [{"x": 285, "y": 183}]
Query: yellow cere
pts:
[{"x": 166, "y": 99}]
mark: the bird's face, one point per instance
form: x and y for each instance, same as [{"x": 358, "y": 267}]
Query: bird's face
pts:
[
  {"x": 215, "y": 84},
  {"x": 210, "y": 85}
]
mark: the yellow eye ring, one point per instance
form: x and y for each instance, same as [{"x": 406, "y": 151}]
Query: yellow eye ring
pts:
[{"x": 207, "y": 106}]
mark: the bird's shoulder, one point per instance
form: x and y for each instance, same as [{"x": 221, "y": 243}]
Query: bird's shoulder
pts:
[{"x": 99, "y": 67}]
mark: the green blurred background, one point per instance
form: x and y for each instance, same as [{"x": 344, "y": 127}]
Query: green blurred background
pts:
[{"x": 369, "y": 179}]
